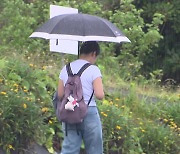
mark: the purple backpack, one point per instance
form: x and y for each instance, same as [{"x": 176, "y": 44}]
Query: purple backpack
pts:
[{"x": 72, "y": 108}]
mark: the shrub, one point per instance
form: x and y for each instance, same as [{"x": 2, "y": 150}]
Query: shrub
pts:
[
  {"x": 132, "y": 125},
  {"x": 25, "y": 104}
]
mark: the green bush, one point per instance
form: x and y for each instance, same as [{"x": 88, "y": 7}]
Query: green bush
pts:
[
  {"x": 132, "y": 125},
  {"x": 25, "y": 107},
  {"x": 21, "y": 120}
]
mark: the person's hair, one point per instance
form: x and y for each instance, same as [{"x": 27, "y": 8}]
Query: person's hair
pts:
[{"x": 90, "y": 46}]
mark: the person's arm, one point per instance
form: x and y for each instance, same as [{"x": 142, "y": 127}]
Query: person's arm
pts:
[
  {"x": 60, "y": 89},
  {"x": 98, "y": 88}
]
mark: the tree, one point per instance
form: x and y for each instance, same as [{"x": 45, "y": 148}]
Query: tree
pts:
[
  {"x": 167, "y": 55},
  {"x": 144, "y": 36}
]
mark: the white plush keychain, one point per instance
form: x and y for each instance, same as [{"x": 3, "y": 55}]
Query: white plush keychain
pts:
[{"x": 71, "y": 104}]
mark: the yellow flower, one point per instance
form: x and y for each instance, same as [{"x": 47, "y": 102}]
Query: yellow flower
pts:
[
  {"x": 10, "y": 146},
  {"x": 105, "y": 115},
  {"x": 117, "y": 99},
  {"x": 119, "y": 137},
  {"x": 25, "y": 105},
  {"x": 44, "y": 67},
  {"x": 25, "y": 90},
  {"x": 50, "y": 122},
  {"x": 165, "y": 120},
  {"x": 172, "y": 127},
  {"x": 3, "y": 93},
  {"x": 1, "y": 80},
  {"x": 44, "y": 109},
  {"x": 28, "y": 99},
  {"x": 111, "y": 103},
  {"x": 31, "y": 65},
  {"x": 142, "y": 130},
  {"x": 118, "y": 127},
  {"x": 16, "y": 90},
  {"x": 15, "y": 85},
  {"x": 123, "y": 106},
  {"x": 116, "y": 105}
]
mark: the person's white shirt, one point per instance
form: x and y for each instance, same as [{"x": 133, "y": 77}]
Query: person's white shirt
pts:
[{"x": 87, "y": 78}]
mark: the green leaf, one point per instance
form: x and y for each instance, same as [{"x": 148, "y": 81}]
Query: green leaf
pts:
[
  {"x": 26, "y": 84},
  {"x": 14, "y": 76},
  {"x": 2, "y": 63}
]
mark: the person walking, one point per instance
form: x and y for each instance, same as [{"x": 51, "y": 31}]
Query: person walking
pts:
[{"x": 90, "y": 130}]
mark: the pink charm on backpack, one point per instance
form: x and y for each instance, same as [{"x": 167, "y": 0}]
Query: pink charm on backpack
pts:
[{"x": 71, "y": 104}]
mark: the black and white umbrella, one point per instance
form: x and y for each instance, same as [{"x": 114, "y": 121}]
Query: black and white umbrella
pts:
[{"x": 80, "y": 27}]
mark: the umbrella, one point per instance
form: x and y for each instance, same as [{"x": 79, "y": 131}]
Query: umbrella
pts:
[{"x": 80, "y": 27}]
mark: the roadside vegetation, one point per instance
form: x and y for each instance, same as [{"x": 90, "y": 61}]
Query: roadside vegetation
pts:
[{"x": 140, "y": 111}]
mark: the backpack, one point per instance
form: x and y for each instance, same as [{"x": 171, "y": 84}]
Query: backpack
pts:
[{"x": 72, "y": 108}]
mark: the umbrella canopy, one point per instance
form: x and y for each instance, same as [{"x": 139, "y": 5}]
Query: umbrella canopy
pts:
[{"x": 80, "y": 27}]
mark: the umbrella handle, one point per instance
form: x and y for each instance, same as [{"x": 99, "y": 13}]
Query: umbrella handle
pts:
[{"x": 78, "y": 49}]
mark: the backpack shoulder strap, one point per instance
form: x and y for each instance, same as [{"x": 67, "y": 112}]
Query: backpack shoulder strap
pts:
[
  {"x": 83, "y": 68},
  {"x": 90, "y": 98},
  {"x": 69, "y": 71}
]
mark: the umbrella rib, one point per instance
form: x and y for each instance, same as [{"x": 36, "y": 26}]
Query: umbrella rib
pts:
[
  {"x": 106, "y": 23},
  {"x": 61, "y": 20},
  {"x": 83, "y": 27}
]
